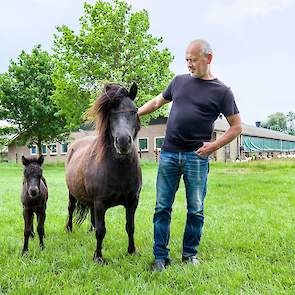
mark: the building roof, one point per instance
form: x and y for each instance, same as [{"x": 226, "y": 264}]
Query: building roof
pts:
[{"x": 222, "y": 125}]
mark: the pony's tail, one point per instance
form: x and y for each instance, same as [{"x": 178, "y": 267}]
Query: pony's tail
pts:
[{"x": 80, "y": 213}]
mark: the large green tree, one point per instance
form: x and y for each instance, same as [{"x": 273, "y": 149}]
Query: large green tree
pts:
[
  {"x": 291, "y": 122},
  {"x": 25, "y": 91},
  {"x": 281, "y": 122},
  {"x": 112, "y": 45}
]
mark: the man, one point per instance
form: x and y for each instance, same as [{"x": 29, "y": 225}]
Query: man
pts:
[{"x": 198, "y": 99}]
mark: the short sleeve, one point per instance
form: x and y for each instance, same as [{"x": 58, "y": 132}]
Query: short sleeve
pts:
[
  {"x": 168, "y": 93},
  {"x": 228, "y": 106}
]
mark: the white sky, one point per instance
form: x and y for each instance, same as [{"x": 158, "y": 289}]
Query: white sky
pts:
[{"x": 252, "y": 40}]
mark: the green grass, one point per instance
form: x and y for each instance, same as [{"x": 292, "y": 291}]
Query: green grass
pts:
[{"x": 248, "y": 243}]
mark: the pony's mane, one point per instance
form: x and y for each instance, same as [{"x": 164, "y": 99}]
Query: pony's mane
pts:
[{"x": 100, "y": 112}]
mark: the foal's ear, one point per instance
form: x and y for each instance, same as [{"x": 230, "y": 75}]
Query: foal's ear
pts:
[
  {"x": 40, "y": 160},
  {"x": 25, "y": 161},
  {"x": 133, "y": 91}
]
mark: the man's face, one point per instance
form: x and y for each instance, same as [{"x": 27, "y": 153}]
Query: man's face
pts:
[{"x": 197, "y": 62}]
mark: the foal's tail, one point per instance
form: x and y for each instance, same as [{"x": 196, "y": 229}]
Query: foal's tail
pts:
[{"x": 80, "y": 213}]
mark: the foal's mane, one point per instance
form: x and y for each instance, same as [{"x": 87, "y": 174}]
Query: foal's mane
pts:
[{"x": 100, "y": 112}]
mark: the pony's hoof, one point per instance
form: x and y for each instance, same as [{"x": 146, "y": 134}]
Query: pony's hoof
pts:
[
  {"x": 24, "y": 252},
  {"x": 42, "y": 246},
  {"x": 32, "y": 235}
]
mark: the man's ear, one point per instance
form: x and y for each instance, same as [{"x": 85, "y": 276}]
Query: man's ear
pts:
[
  {"x": 209, "y": 58},
  {"x": 133, "y": 91}
]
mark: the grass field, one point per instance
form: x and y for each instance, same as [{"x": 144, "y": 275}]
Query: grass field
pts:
[{"x": 248, "y": 244}]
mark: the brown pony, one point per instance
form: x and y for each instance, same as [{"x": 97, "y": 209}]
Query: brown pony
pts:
[{"x": 103, "y": 171}]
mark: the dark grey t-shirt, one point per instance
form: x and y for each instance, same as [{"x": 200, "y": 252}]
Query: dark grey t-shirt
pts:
[{"x": 196, "y": 105}]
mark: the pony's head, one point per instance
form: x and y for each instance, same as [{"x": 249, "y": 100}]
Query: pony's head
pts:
[
  {"x": 116, "y": 116},
  {"x": 33, "y": 174}
]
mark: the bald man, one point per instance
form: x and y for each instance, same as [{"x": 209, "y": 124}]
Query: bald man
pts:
[{"x": 198, "y": 99}]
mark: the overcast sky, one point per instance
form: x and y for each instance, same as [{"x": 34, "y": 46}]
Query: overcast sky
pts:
[{"x": 253, "y": 41}]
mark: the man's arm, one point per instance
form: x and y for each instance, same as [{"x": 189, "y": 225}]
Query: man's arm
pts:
[
  {"x": 152, "y": 105},
  {"x": 234, "y": 130}
]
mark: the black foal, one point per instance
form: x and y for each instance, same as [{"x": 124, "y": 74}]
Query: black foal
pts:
[{"x": 34, "y": 197}]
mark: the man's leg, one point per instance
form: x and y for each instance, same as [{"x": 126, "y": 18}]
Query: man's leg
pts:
[
  {"x": 169, "y": 174},
  {"x": 195, "y": 179}
]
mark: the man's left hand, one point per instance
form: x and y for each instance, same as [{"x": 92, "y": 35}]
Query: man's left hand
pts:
[{"x": 206, "y": 149}]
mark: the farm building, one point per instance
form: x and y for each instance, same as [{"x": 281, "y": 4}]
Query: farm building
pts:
[{"x": 256, "y": 141}]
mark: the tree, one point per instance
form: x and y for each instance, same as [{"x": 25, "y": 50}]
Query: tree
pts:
[
  {"x": 113, "y": 45},
  {"x": 276, "y": 121},
  {"x": 291, "y": 122},
  {"x": 25, "y": 102}
]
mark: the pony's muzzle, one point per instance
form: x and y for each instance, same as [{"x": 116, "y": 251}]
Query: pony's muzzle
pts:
[
  {"x": 123, "y": 144},
  {"x": 34, "y": 192}
]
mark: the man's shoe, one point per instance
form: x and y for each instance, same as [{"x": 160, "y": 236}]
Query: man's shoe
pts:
[
  {"x": 160, "y": 264},
  {"x": 191, "y": 260}
]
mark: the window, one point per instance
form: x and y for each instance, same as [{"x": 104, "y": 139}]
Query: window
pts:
[
  {"x": 53, "y": 149},
  {"x": 33, "y": 150},
  {"x": 64, "y": 148},
  {"x": 44, "y": 149},
  {"x": 158, "y": 142},
  {"x": 143, "y": 144}
]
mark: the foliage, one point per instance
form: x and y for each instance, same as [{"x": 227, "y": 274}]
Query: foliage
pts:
[
  {"x": 281, "y": 122},
  {"x": 113, "y": 45},
  {"x": 247, "y": 245},
  {"x": 291, "y": 122},
  {"x": 25, "y": 102}
]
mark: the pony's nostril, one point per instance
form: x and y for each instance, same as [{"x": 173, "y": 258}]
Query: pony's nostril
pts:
[
  {"x": 117, "y": 140},
  {"x": 129, "y": 139}
]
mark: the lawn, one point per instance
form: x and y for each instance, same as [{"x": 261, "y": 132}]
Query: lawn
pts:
[{"x": 248, "y": 244}]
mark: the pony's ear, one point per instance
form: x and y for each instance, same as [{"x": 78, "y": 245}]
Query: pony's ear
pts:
[
  {"x": 40, "y": 160},
  {"x": 25, "y": 161},
  {"x": 133, "y": 91}
]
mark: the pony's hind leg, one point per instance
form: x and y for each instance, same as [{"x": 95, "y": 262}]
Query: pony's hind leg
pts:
[
  {"x": 130, "y": 212},
  {"x": 32, "y": 234},
  {"x": 100, "y": 231},
  {"x": 92, "y": 225},
  {"x": 71, "y": 208}
]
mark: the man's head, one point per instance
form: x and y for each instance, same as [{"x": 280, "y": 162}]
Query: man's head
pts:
[{"x": 198, "y": 57}]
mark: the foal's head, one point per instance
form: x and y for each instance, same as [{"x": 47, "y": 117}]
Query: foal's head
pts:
[
  {"x": 116, "y": 117},
  {"x": 33, "y": 175}
]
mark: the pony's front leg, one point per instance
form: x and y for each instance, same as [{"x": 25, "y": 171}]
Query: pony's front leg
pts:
[
  {"x": 28, "y": 214},
  {"x": 100, "y": 231},
  {"x": 41, "y": 220},
  {"x": 130, "y": 212}
]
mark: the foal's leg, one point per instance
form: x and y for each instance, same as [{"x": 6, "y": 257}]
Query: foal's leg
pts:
[
  {"x": 100, "y": 231},
  {"x": 27, "y": 213},
  {"x": 130, "y": 211},
  {"x": 32, "y": 234},
  {"x": 41, "y": 216},
  {"x": 71, "y": 208}
]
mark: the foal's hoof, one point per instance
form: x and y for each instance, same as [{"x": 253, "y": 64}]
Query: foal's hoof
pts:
[
  {"x": 32, "y": 235},
  {"x": 42, "y": 246},
  {"x": 100, "y": 260},
  {"x": 69, "y": 228},
  {"x": 134, "y": 253},
  {"x": 24, "y": 252}
]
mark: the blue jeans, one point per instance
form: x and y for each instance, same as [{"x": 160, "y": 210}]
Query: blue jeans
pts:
[{"x": 194, "y": 169}]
